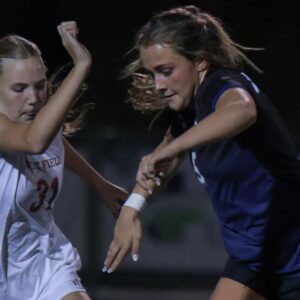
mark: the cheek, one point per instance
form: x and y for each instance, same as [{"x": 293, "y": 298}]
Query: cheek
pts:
[
  {"x": 184, "y": 80},
  {"x": 190, "y": 81},
  {"x": 14, "y": 109},
  {"x": 42, "y": 95}
]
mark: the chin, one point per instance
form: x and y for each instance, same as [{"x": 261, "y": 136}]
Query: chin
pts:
[
  {"x": 25, "y": 120},
  {"x": 175, "y": 107}
]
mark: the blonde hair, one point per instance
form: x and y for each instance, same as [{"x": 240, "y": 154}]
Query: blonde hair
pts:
[{"x": 17, "y": 47}]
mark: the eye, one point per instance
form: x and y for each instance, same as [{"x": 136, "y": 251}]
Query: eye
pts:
[
  {"x": 166, "y": 72},
  {"x": 40, "y": 86},
  {"x": 18, "y": 88}
]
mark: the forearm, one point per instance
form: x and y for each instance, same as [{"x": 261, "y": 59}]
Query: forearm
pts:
[
  {"x": 79, "y": 166},
  {"x": 226, "y": 122},
  {"x": 51, "y": 117}
]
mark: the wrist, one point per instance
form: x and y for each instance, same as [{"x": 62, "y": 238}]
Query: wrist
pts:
[
  {"x": 128, "y": 213},
  {"x": 82, "y": 66},
  {"x": 135, "y": 201}
]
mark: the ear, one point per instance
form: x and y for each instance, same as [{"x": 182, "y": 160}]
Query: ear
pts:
[{"x": 201, "y": 66}]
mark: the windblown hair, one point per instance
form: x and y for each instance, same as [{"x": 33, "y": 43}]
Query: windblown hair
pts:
[
  {"x": 75, "y": 119},
  {"x": 191, "y": 33},
  {"x": 17, "y": 47}
]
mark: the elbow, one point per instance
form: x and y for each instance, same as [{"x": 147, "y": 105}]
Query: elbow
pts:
[
  {"x": 36, "y": 147},
  {"x": 39, "y": 150}
]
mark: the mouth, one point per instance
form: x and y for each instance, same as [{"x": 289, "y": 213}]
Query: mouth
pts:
[
  {"x": 30, "y": 114},
  {"x": 169, "y": 97}
]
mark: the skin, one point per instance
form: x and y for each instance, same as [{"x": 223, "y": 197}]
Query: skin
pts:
[
  {"x": 29, "y": 121},
  {"x": 17, "y": 133},
  {"x": 77, "y": 296},
  {"x": 176, "y": 78},
  {"x": 22, "y": 88}
]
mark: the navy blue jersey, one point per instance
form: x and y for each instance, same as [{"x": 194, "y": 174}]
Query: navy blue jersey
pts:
[{"x": 252, "y": 178}]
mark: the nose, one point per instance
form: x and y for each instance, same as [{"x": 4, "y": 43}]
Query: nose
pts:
[
  {"x": 32, "y": 97},
  {"x": 160, "y": 85}
]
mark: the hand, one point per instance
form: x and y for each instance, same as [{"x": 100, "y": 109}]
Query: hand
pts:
[
  {"x": 127, "y": 235},
  {"x": 113, "y": 196},
  {"x": 151, "y": 170},
  {"x": 68, "y": 32}
]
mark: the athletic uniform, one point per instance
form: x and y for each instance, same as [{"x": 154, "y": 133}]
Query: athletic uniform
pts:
[
  {"x": 37, "y": 261},
  {"x": 252, "y": 180}
]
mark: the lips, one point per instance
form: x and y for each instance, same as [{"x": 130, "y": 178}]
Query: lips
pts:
[
  {"x": 169, "y": 96},
  {"x": 30, "y": 114}
]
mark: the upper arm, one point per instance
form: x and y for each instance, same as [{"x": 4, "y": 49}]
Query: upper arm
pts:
[
  {"x": 239, "y": 99},
  {"x": 14, "y": 138}
]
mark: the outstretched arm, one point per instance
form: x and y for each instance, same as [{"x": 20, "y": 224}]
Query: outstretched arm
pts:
[
  {"x": 235, "y": 112},
  {"x": 112, "y": 195},
  {"x": 128, "y": 229},
  {"x": 36, "y": 136}
]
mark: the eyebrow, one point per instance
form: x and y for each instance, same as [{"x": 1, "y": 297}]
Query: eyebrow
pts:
[
  {"x": 158, "y": 68},
  {"x": 163, "y": 66},
  {"x": 44, "y": 80}
]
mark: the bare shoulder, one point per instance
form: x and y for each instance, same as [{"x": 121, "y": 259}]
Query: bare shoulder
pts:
[
  {"x": 7, "y": 125},
  {"x": 12, "y": 135},
  {"x": 235, "y": 95}
]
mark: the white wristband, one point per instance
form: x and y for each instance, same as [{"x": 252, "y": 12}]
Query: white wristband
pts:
[{"x": 135, "y": 201}]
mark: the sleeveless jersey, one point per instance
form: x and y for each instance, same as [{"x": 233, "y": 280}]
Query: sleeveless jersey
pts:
[
  {"x": 252, "y": 178},
  {"x": 30, "y": 185}
]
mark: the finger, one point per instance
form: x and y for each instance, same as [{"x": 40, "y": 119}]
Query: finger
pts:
[
  {"x": 113, "y": 251},
  {"x": 136, "y": 242},
  {"x": 118, "y": 259},
  {"x": 161, "y": 174},
  {"x": 148, "y": 170},
  {"x": 142, "y": 181},
  {"x": 68, "y": 23},
  {"x": 144, "y": 185},
  {"x": 68, "y": 30},
  {"x": 157, "y": 180},
  {"x": 70, "y": 26},
  {"x": 65, "y": 36}
]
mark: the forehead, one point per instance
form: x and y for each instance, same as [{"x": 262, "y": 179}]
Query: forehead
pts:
[
  {"x": 157, "y": 55},
  {"x": 22, "y": 70}
]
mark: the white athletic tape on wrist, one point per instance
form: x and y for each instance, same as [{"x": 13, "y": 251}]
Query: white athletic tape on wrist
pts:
[{"x": 135, "y": 201}]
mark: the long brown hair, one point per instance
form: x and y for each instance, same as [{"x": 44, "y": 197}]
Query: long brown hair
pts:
[{"x": 194, "y": 34}]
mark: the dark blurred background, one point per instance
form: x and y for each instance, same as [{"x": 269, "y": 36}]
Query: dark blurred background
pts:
[{"x": 182, "y": 254}]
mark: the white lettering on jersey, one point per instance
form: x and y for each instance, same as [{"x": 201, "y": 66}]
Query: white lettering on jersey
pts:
[{"x": 200, "y": 177}]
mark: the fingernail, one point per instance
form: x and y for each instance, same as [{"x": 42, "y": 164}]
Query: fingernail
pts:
[
  {"x": 157, "y": 182},
  {"x": 150, "y": 192},
  {"x": 104, "y": 269},
  {"x": 161, "y": 173},
  {"x": 135, "y": 257},
  {"x": 109, "y": 271}
]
